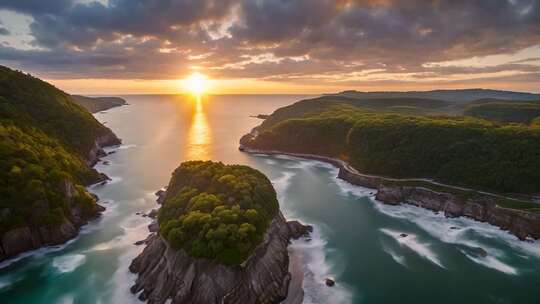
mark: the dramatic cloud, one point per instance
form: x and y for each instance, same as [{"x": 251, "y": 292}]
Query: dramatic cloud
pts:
[{"x": 344, "y": 41}]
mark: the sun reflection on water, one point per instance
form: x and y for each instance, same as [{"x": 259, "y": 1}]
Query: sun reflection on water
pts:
[{"x": 199, "y": 135}]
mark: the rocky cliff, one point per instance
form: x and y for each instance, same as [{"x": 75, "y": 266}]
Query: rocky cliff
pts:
[
  {"x": 27, "y": 238},
  {"x": 108, "y": 139},
  {"x": 22, "y": 239},
  {"x": 520, "y": 223},
  {"x": 484, "y": 208},
  {"x": 168, "y": 274}
]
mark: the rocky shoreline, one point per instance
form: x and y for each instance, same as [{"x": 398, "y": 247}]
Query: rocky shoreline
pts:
[
  {"x": 166, "y": 274},
  {"x": 23, "y": 239},
  {"x": 522, "y": 224}
]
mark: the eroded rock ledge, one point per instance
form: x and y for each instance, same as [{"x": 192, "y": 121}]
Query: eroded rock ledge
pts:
[{"x": 168, "y": 274}]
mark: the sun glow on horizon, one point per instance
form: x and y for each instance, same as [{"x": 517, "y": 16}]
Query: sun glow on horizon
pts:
[{"x": 196, "y": 84}]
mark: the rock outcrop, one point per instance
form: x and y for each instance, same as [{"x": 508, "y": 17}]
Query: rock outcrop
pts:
[
  {"x": 168, "y": 274},
  {"x": 108, "y": 139}
]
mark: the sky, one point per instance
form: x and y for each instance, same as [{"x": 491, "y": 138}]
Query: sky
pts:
[{"x": 274, "y": 46}]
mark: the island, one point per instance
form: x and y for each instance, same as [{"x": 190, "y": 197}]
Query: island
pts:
[
  {"x": 48, "y": 145},
  {"x": 221, "y": 239},
  {"x": 418, "y": 150},
  {"x": 98, "y": 104}
]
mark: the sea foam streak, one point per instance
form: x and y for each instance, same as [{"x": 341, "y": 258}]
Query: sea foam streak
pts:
[
  {"x": 68, "y": 263},
  {"x": 491, "y": 262},
  {"x": 411, "y": 241},
  {"x": 398, "y": 258},
  {"x": 466, "y": 232},
  {"x": 458, "y": 230},
  {"x": 316, "y": 266}
]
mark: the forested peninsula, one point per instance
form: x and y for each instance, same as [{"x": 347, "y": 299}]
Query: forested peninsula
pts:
[
  {"x": 98, "y": 104},
  {"x": 48, "y": 145},
  {"x": 427, "y": 143},
  {"x": 221, "y": 239}
]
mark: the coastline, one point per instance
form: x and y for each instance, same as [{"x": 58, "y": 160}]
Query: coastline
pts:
[
  {"x": 523, "y": 225},
  {"x": 26, "y": 241}
]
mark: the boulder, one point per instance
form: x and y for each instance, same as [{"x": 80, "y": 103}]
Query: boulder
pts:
[
  {"x": 329, "y": 282},
  {"x": 298, "y": 230}
]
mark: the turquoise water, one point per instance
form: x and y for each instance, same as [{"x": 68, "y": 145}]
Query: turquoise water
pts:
[{"x": 356, "y": 240}]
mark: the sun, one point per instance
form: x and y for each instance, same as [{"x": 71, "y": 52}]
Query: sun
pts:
[{"x": 196, "y": 84}]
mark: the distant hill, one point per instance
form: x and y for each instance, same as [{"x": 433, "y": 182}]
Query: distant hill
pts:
[
  {"x": 508, "y": 111},
  {"x": 47, "y": 146},
  {"x": 455, "y": 96},
  {"x": 404, "y": 105},
  {"x": 98, "y": 104}
]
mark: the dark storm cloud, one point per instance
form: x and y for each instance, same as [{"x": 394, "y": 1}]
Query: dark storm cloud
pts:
[
  {"x": 35, "y": 6},
  {"x": 273, "y": 39}
]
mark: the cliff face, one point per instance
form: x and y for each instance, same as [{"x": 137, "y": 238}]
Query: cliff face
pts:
[
  {"x": 521, "y": 224},
  {"x": 28, "y": 238},
  {"x": 165, "y": 273},
  {"x": 108, "y": 139}
]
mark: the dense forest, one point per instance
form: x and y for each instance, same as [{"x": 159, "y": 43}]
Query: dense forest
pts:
[
  {"x": 45, "y": 139},
  {"x": 504, "y": 111},
  {"x": 216, "y": 211},
  {"x": 454, "y": 149}
]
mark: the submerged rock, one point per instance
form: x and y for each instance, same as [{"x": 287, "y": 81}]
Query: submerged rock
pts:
[{"x": 479, "y": 252}]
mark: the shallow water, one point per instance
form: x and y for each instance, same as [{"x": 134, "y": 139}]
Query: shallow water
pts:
[{"x": 357, "y": 241}]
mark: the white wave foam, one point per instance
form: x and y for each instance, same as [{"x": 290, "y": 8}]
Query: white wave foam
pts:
[
  {"x": 398, "y": 258},
  {"x": 411, "y": 241},
  {"x": 114, "y": 180},
  {"x": 37, "y": 253},
  {"x": 316, "y": 269},
  {"x": 122, "y": 278},
  {"x": 347, "y": 188},
  {"x": 8, "y": 280},
  {"x": 460, "y": 230},
  {"x": 281, "y": 184},
  {"x": 66, "y": 299},
  {"x": 68, "y": 263},
  {"x": 491, "y": 262},
  {"x": 270, "y": 161},
  {"x": 124, "y": 147},
  {"x": 313, "y": 253}
]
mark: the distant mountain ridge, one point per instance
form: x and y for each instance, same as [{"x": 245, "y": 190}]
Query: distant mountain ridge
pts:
[{"x": 457, "y": 96}]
